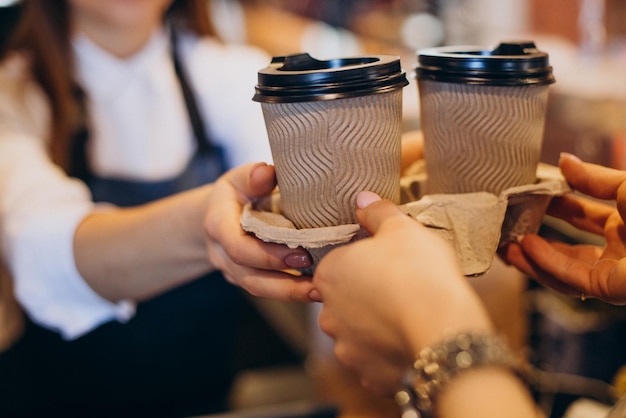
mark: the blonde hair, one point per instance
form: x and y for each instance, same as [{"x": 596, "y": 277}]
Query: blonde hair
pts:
[{"x": 43, "y": 34}]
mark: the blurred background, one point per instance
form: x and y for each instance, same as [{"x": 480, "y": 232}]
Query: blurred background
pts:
[{"x": 586, "y": 41}]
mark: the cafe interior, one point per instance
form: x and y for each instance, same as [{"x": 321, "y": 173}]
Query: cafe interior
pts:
[{"x": 576, "y": 347}]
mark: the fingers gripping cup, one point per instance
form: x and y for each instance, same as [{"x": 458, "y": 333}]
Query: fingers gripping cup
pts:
[
  {"x": 482, "y": 114},
  {"x": 334, "y": 129}
]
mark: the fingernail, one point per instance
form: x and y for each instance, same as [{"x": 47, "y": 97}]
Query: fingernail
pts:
[
  {"x": 364, "y": 199},
  {"x": 568, "y": 156},
  {"x": 315, "y": 295},
  {"x": 297, "y": 260},
  {"x": 257, "y": 165}
]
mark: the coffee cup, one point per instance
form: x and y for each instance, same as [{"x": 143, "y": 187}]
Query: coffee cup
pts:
[
  {"x": 334, "y": 128},
  {"x": 482, "y": 112}
]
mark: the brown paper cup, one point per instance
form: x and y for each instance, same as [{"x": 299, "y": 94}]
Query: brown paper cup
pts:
[
  {"x": 481, "y": 138},
  {"x": 334, "y": 130},
  {"x": 326, "y": 152},
  {"x": 482, "y": 112}
]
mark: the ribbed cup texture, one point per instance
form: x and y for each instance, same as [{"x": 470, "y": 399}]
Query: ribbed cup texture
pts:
[
  {"x": 326, "y": 152},
  {"x": 481, "y": 138}
]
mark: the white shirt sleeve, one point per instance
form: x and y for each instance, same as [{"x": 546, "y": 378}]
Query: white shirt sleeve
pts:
[{"x": 40, "y": 208}]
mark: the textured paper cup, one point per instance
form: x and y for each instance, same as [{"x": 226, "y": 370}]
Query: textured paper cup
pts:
[
  {"x": 334, "y": 130},
  {"x": 482, "y": 114}
]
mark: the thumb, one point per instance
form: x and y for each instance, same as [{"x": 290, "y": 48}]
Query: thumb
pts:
[
  {"x": 373, "y": 211},
  {"x": 252, "y": 180}
]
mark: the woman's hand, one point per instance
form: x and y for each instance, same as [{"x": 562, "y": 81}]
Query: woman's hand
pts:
[
  {"x": 582, "y": 270},
  {"x": 246, "y": 261},
  {"x": 387, "y": 296}
]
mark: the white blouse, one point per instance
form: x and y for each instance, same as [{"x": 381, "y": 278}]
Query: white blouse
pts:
[{"x": 139, "y": 130}]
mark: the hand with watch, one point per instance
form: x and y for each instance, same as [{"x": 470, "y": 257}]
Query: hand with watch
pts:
[{"x": 405, "y": 318}]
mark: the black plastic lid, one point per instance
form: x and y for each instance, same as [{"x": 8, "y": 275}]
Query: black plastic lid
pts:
[
  {"x": 302, "y": 78},
  {"x": 510, "y": 64}
]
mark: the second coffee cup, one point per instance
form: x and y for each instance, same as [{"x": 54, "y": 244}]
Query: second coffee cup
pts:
[
  {"x": 334, "y": 129},
  {"x": 482, "y": 114}
]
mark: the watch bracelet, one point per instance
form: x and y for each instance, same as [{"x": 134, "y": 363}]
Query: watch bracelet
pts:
[{"x": 435, "y": 366}]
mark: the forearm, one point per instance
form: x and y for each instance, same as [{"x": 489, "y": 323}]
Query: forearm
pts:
[
  {"x": 138, "y": 252},
  {"x": 486, "y": 392}
]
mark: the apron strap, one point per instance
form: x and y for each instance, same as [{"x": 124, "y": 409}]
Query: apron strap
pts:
[
  {"x": 197, "y": 123},
  {"x": 78, "y": 143}
]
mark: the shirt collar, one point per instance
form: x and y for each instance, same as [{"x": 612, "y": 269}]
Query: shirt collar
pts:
[{"x": 104, "y": 74}]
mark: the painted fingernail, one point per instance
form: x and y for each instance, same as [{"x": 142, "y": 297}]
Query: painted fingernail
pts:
[
  {"x": 315, "y": 295},
  {"x": 297, "y": 260},
  {"x": 364, "y": 199},
  {"x": 568, "y": 156}
]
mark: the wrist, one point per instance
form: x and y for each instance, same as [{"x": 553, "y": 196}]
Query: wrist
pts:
[
  {"x": 457, "y": 311},
  {"x": 189, "y": 211},
  {"x": 439, "y": 367},
  {"x": 199, "y": 204}
]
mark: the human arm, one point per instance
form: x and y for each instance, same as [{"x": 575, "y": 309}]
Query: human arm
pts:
[
  {"x": 41, "y": 210},
  {"x": 575, "y": 270},
  {"x": 138, "y": 252},
  {"x": 388, "y": 296}
]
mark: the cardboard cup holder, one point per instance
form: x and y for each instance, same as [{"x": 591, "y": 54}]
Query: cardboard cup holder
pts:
[{"x": 475, "y": 224}]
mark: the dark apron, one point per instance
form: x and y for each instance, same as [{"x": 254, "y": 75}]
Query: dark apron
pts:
[{"x": 173, "y": 358}]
